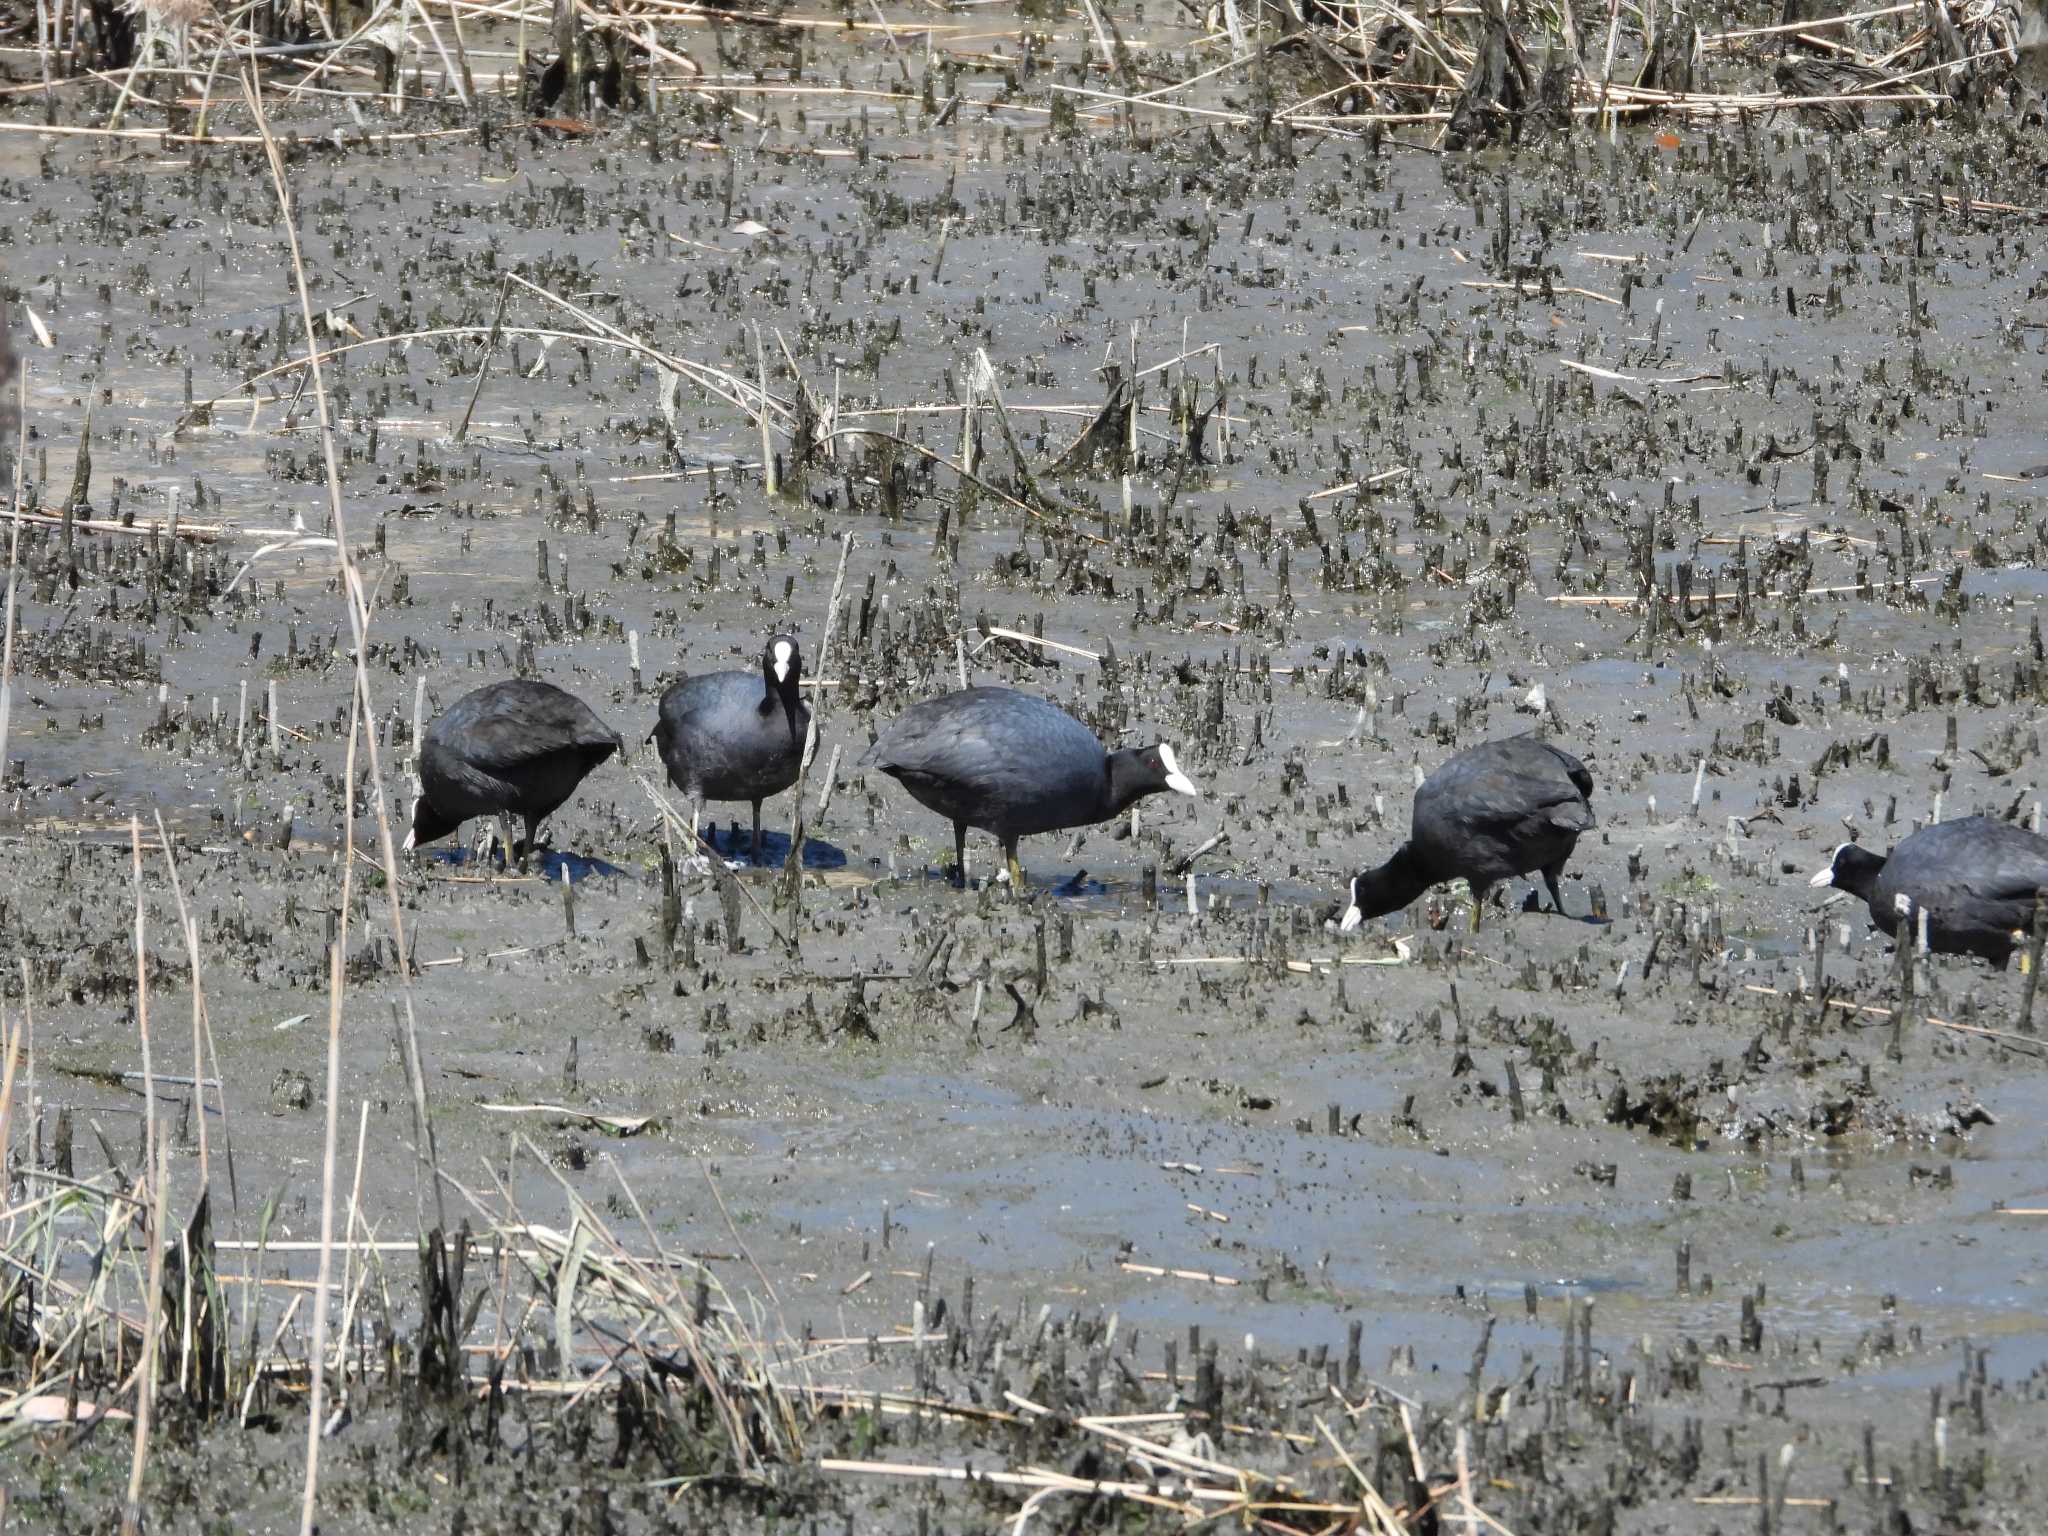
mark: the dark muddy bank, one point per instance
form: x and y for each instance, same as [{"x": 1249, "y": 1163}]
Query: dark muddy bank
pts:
[{"x": 1724, "y": 440}]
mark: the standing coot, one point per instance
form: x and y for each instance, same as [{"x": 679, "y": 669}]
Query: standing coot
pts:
[
  {"x": 513, "y": 748},
  {"x": 1499, "y": 809},
  {"x": 1974, "y": 877},
  {"x": 737, "y": 735},
  {"x": 1014, "y": 765}
]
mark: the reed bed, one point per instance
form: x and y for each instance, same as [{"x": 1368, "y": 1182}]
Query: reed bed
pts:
[{"x": 1461, "y": 74}]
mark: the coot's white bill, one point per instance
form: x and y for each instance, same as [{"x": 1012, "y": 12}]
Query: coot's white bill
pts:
[
  {"x": 783, "y": 654},
  {"x": 1176, "y": 781},
  {"x": 1352, "y": 916},
  {"x": 1827, "y": 875}
]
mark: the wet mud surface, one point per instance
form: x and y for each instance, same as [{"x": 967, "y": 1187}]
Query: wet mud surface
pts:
[{"x": 1473, "y": 409}]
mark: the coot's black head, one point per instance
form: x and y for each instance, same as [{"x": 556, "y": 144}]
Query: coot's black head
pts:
[
  {"x": 1387, "y": 888},
  {"x": 427, "y": 824},
  {"x": 1852, "y": 869},
  {"x": 782, "y": 669},
  {"x": 1140, "y": 771}
]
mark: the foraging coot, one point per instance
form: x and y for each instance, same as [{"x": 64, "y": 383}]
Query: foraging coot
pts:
[
  {"x": 1014, "y": 765},
  {"x": 737, "y": 735},
  {"x": 1974, "y": 877},
  {"x": 1495, "y": 810},
  {"x": 512, "y": 748}
]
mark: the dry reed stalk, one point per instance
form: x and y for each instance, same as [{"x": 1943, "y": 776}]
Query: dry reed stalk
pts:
[
  {"x": 674, "y": 825},
  {"x": 1144, "y": 1493},
  {"x": 316, "y": 1352},
  {"x": 359, "y": 614},
  {"x": 2026, "y": 1044},
  {"x": 191, "y": 935},
  {"x": 1156, "y": 1272},
  {"x": 250, "y": 140},
  {"x": 729, "y": 387},
  {"x": 812, "y": 730},
  {"x": 197, "y": 533},
  {"x": 1714, "y": 39},
  {"x": 464, "y": 89},
  {"x": 361, "y": 708},
  {"x": 14, "y": 1044},
  {"x": 987, "y": 488},
  {"x": 732, "y": 1228},
  {"x": 768, "y": 476},
  {"x": 13, "y": 546},
  {"x": 156, "y": 1198},
  {"x": 659, "y": 1292},
  {"x": 483, "y": 366},
  {"x": 142, "y": 1005},
  {"x": 1615, "y": 600},
  {"x": 997, "y": 632},
  {"x": 348, "y": 1230}
]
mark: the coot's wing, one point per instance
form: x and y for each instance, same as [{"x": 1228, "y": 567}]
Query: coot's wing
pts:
[
  {"x": 1574, "y": 770},
  {"x": 960, "y": 737},
  {"x": 1978, "y": 875},
  {"x": 514, "y": 726},
  {"x": 1515, "y": 789},
  {"x": 992, "y": 757},
  {"x": 1525, "y": 805}
]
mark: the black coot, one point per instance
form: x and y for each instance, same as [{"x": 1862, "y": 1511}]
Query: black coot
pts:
[
  {"x": 516, "y": 748},
  {"x": 1974, "y": 877},
  {"x": 1496, "y": 810},
  {"x": 737, "y": 735},
  {"x": 1014, "y": 765}
]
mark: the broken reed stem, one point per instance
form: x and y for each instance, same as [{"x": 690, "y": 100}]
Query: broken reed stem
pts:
[
  {"x": 483, "y": 366},
  {"x": 357, "y": 604},
  {"x": 768, "y": 475}
]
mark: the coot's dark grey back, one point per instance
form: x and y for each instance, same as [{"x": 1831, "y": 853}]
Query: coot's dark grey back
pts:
[
  {"x": 1975, "y": 876},
  {"x": 1502, "y": 808},
  {"x": 997, "y": 759},
  {"x": 506, "y": 744},
  {"x": 716, "y": 741}
]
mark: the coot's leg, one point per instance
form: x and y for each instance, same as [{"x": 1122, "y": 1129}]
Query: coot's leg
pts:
[
  {"x": 1016, "y": 869},
  {"x": 960, "y": 853},
  {"x": 532, "y": 838},
  {"x": 1478, "y": 901},
  {"x": 505, "y": 838},
  {"x": 1550, "y": 875},
  {"x": 757, "y": 833}
]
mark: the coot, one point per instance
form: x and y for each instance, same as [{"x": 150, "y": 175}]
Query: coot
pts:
[
  {"x": 512, "y": 748},
  {"x": 1015, "y": 765},
  {"x": 1495, "y": 810},
  {"x": 737, "y": 735},
  {"x": 1974, "y": 877}
]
